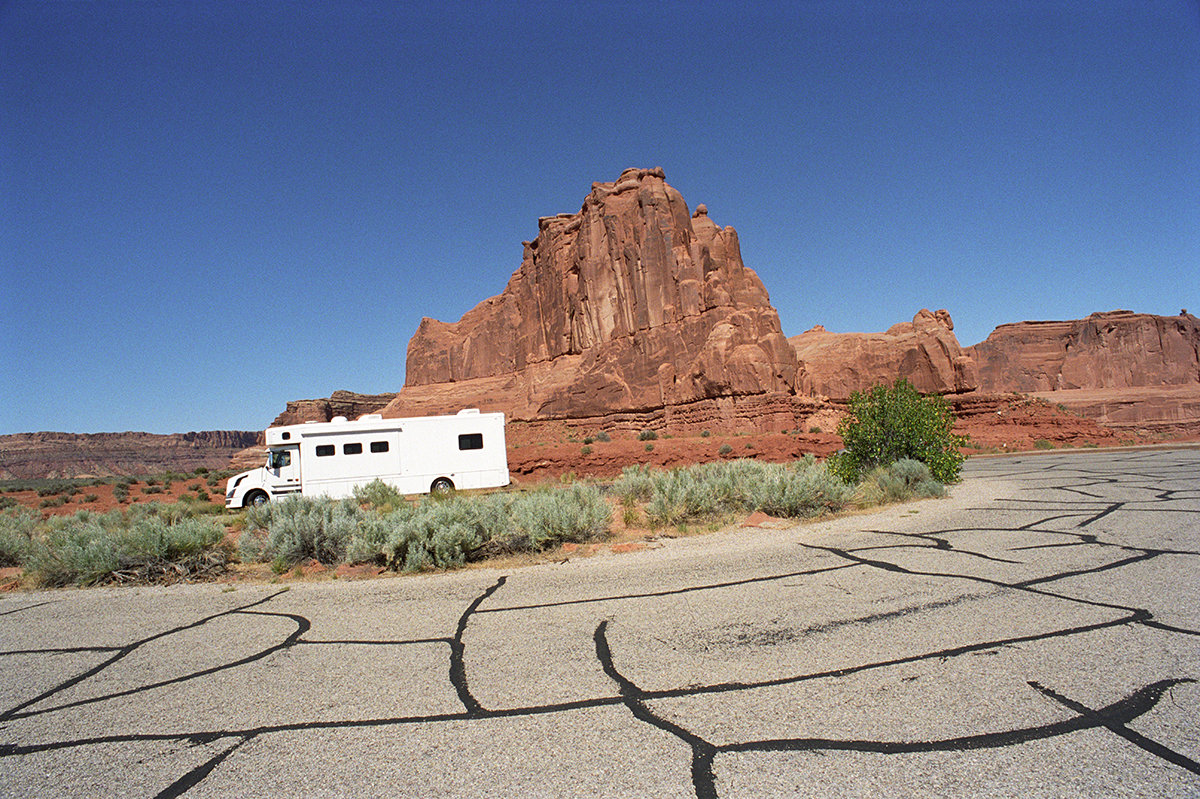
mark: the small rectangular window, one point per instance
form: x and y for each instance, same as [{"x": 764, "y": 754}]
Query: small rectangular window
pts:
[
  {"x": 324, "y": 450},
  {"x": 379, "y": 446},
  {"x": 470, "y": 441},
  {"x": 354, "y": 448}
]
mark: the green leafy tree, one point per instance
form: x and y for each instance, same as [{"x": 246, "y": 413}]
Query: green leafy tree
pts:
[{"x": 889, "y": 423}]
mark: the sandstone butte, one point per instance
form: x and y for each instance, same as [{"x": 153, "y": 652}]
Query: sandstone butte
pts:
[
  {"x": 635, "y": 312},
  {"x": 632, "y": 310}
]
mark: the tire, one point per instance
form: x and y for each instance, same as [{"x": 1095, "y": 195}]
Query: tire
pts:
[
  {"x": 442, "y": 485},
  {"x": 255, "y": 499}
]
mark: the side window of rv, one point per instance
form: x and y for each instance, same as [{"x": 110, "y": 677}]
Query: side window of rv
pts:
[
  {"x": 354, "y": 448},
  {"x": 470, "y": 441},
  {"x": 379, "y": 446},
  {"x": 324, "y": 450}
]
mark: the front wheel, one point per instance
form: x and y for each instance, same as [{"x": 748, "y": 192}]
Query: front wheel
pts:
[
  {"x": 256, "y": 498},
  {"x": 442, "y": 486}
]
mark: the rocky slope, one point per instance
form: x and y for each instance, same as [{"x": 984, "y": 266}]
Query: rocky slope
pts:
[
  {"x": 38, "y": 455},
  {"x": 633, "y": 304}
]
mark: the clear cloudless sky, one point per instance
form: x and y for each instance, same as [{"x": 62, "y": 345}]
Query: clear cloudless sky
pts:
[{"x": 210, "y": 208}]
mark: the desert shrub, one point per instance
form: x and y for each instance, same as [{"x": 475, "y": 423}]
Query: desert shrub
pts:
[
  {"x": 53, "y": 502},
  {"x": 550, "y": 518},
  {"x": 589, "y": 440},
  {"x": 635, "y": 483},
  {"x": 603, "y": 436},
  {"x": 649, "y": 447},
  {"x": 85, "y": 549},
  {"x": 301, "y": 528},
  {"x": 897, "y": 482},
  {"x": 816, "y": 428},
  {"x": 801, "y": 490},
  {"x": 8, "y": 502},
  {"x": 647, "y": 435},
  {"x": 16, "y": 535},
  {"x": 152, "y": 489},
  {"x": 714, "y": 490},
  {"x": 1042, "y": 443},
  {"x": 91, "y": 498},
  {"x": 705, "y": 433},
  {"x": 379, "y": 495},
  {"x": 725, "y": 449},
  {"x": 889, "y": 423},
  {"x": 446, "y": 532},
  {"x": 199, "y": 470},
  {"x": 121, "y": 492}
]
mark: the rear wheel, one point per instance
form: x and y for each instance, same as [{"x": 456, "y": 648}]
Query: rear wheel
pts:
[
  {"x": 442, "y": 485},
  {"x": 256, "y": 498}
]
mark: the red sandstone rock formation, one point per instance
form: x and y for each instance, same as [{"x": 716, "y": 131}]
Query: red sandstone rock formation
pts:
[
  {"x": 1113, "y": 350},
  {"x": 1127, "y": 370},
  {"x": 629, "y": 305},
  {"x": 924, "y": 351},
  {"x": 26, "y": 456},
  {"x": 341, "y": 403}
]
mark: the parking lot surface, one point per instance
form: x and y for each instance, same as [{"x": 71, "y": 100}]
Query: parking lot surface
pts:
[{"x": 1033, "y": 635}]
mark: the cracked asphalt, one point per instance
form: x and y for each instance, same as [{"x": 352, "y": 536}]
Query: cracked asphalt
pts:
[{"x": 1034, "y": 635}]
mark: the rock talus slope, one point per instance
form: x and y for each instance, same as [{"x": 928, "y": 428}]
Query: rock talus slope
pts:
[{"x": 630, "y": 305}]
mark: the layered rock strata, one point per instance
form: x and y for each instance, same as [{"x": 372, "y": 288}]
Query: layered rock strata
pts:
[
  {"x": 630, "y": 305},
  {"x": 924, "y": 351},
  {"x": 1112, "y": 350},
  {"x": 1127, "y": 370},
  {"x": 340, "y": 403},
  {"x": 26, "y": 456}
]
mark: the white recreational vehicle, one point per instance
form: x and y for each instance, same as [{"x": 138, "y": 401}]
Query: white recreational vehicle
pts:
[{"x": 416, "y": 456}]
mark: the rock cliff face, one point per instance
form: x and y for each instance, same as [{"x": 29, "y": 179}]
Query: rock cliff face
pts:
[
  {"x": 1113, "y": 350},
  {"x": 631, "y": 304},
  {"x": 27, "y": 456},
  {"x": 1127, "y": 370},
  {"x": 341, "y": 403},
  {"x": 924, "y": 351}
]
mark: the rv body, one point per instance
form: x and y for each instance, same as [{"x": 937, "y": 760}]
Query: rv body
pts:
[{"x": 416, "y": 456}]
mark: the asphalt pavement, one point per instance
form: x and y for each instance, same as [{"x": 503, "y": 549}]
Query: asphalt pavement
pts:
[{"x": 1033, "y": 635}]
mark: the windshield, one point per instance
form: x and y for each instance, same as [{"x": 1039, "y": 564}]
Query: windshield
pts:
[{"x": 278, "y": 458}]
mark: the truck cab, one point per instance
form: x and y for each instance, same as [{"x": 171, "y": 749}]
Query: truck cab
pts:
[{"x": 277, "y": 478}]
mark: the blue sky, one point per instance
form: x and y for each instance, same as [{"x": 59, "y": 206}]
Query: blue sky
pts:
[{"x": 210, "y": 208}]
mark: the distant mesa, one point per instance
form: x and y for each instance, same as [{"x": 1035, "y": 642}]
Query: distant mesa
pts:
[
  {"x": 1126, "y": 370},
  {"x": 27, "y": 456},
  {"x": 1112, "y": 350}
]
